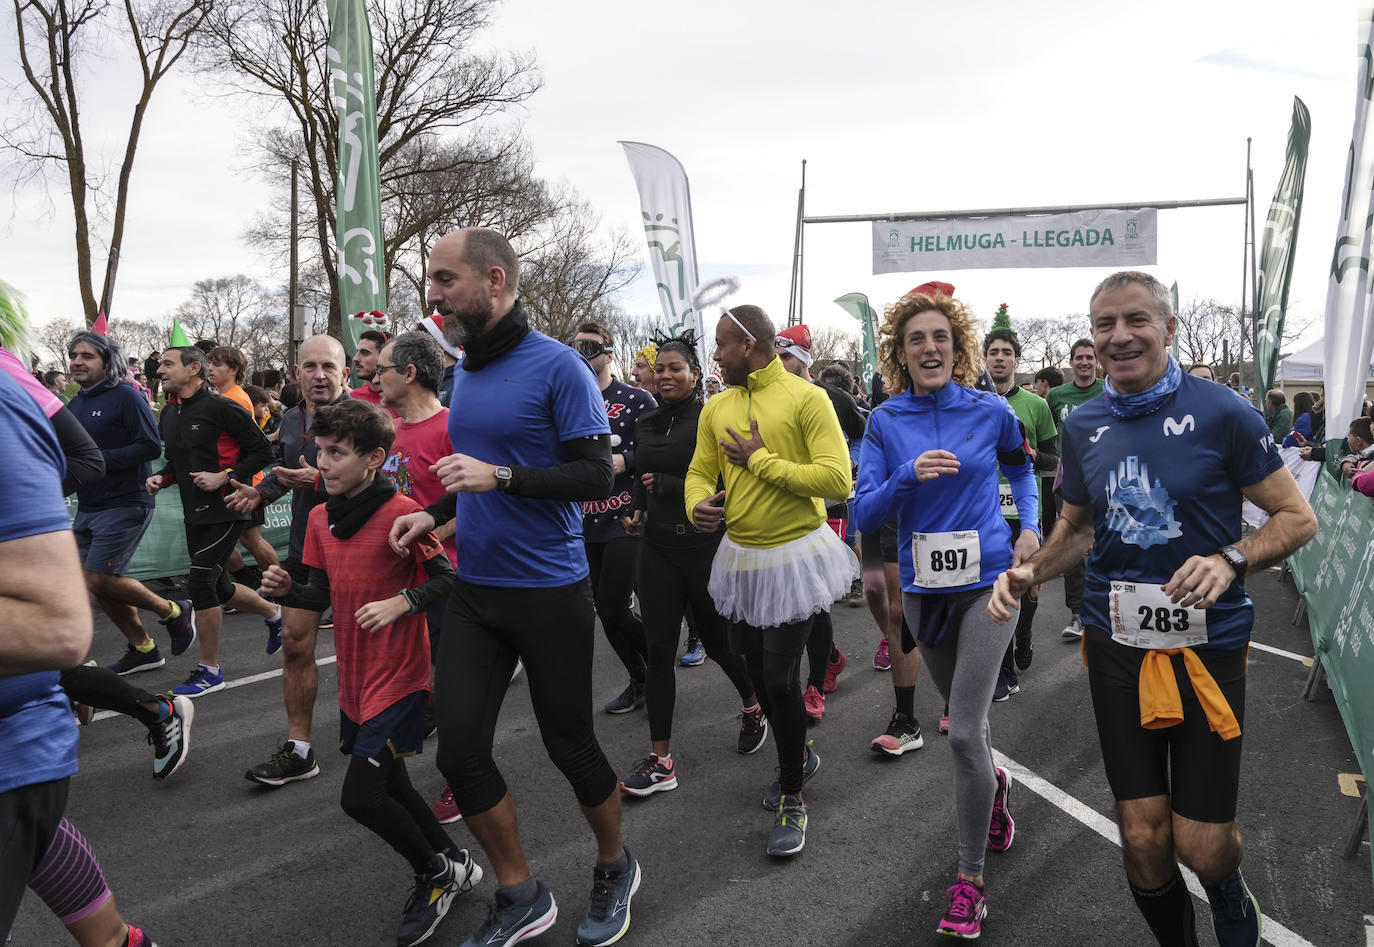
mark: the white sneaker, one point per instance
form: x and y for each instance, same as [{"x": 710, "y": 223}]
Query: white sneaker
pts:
[{"x": 1073, "y": 629}]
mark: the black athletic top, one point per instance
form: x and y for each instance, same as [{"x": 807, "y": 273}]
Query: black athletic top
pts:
[
  {"x": 665, "y": 439},
  {"x": 208, "y": 432}
]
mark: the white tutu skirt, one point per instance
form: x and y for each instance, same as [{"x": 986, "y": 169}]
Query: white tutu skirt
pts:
[{"x": 784, "y": 584}]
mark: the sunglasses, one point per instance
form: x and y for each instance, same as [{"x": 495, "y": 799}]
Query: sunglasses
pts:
[{"x": 591, "y": 348}]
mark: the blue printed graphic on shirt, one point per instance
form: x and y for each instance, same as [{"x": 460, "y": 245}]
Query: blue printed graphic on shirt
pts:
[{"x": 1142, "y": 514}]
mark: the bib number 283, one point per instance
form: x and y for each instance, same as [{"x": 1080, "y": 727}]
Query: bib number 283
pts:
[{"x": 1143, "y": 617}]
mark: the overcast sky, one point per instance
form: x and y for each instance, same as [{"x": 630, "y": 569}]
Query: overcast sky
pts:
[{"x": 896, "y": 106}]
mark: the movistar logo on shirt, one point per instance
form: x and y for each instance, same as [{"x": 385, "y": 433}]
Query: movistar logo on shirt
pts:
[
  {"x": 1142, "y": 514},
  {"x": 1178, "y": 427}
]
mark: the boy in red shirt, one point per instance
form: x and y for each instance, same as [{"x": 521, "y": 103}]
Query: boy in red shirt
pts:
[{"x": 379, "y": 603}]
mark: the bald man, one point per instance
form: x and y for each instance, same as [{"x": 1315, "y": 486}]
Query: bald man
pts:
[{"x": 322, "y": 370}]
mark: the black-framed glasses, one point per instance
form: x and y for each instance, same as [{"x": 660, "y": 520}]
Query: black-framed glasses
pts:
[
  {"x": 591, "y": 348},
  {"x": 384, "y": 368}
]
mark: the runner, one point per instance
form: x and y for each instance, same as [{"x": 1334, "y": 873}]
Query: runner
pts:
[
  {"x": 931, "y": 456},
  {"x": 525, "y": 460},
  {"x": 675, "y": 565},
  {"x": 1154, "y": 476},
  {"x": 775, "y": 441},
  {"x": 322, "y": 370},
  {"x": 202, "y": 464},
  {"x": 370, "y": 343},
  {"x": 1081, "y": 388}
]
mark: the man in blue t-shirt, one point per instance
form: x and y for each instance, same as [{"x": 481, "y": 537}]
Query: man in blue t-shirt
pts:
[
  {"x": 46, "y": 630},
  {"x": 531, "y": 443},
  {"x": 1154, "y": 475}
]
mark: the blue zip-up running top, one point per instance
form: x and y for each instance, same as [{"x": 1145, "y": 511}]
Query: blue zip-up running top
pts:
[{"x": 981, "y": 430}]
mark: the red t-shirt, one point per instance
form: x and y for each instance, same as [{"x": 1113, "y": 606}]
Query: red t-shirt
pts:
[
  {"x": 378, "y": 668},
  {"x": 418, "y": 447},
  {"x": 364, "y": 392}
]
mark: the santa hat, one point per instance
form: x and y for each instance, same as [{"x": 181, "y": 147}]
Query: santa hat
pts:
[
  {"x": 796, "y": 341},
  {"x": 933, "y": 288},
  {"x": 435, "y": 325}
]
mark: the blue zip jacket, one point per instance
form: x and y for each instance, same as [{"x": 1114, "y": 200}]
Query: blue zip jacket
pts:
[
  {"x": 981, "y": 430},
  {"x": 122, "y": 425}
]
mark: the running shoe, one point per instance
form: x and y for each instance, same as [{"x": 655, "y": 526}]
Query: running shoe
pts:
[
  {"x": 855, "y": 598},
  {"x": 519, "y": 666},
  {"x": 882, "y": 661},
  {"x": 631, "y": 698},
  {"x": 695, "y": 653},
  {"x": 944, "y": 720},
  {"x": 1002, "y": 829},
  {"x": 1073, "y": 630},
  {"x": 833, "y": 669},
  {"x": 789, "y": 828},
  {"x": 137, "y": 937},
  {"x": 170, "y": 737},
  {"x": 274, "y": 633},
  {"x": 903, "y": 733},
  {"x": 1013, "y": 681},
  {"x": 814, "y": 702},
  {"x": 200, "y": 682},
  {"x": 650, "y": 775},
  {"x": 434, "y": 892},
  {"x": 773, "y": 796},
  {"x": 85, "y": 713},
  {"x": 182, "y": 628},
  {"x": 285, "y": 767},
  {"x": 753, "y": 730},
  {"x": 968, "y": 905},
  {"x": 608, "y": 908},
  {"x": 1024, "y": 650},
  {"x": 509, "y": 923},
  {"x": 445, "y": 809},
  {"x": 133, "y": 661},
  {"x": 1003, "y": 690},
  {"x": 1236, "y": 916}
]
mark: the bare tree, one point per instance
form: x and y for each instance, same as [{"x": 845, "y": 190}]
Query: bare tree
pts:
[
  {"x": 50, "y": 342},
  {"x": 141, "y": 336},
  {"x": 832, "y": 343},
  {"x": 1046, "y": 340},
  {"x": 432, "y": 84},
  {"x": 237, "y": 311},
  {"x": 1203, "y": 326},
  {"x": 54, "y": 37}
]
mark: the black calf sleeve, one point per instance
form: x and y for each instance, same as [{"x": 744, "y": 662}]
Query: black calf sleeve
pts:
[{"x": 1169, "y": 912}]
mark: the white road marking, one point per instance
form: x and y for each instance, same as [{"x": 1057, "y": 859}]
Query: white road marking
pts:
[
  {"x": 1273, "y": 932},
  {"x": 251, "y": 679},
  {"x": 1292, "y": 656}
]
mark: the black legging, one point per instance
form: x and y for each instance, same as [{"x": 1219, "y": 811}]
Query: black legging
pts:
[
  {"x": 820, "y": 647},
  {"x": 106, "y": 690},
  {"x": 613, "y": 565},
  {"x": 777, "y": 681},
  {"x": 377, "y": 794},
  {"x": 551, "y": 630},
  {"x": 210, "y": 546},
  {"x": 669, "y": 582}
]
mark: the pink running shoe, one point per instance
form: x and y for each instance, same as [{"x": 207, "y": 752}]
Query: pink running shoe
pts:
[
  {"x": 833, "y": 670},
  {"x": 138, "y": 938},
  {"x": 968, "y": 905},
  {"x": 445, "y": 809},
  {"x": 882, "y": 661},
  {"x": 1002, "y": 829},
  {"x": 814, "y": 701}
]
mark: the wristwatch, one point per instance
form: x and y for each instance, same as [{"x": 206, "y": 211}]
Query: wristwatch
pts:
[
  {"x": 503, "y": 478},
  {"x": 1236, "y": 560}
]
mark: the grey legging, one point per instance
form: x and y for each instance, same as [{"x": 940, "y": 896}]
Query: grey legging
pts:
[{"x": 964, "y": 668}]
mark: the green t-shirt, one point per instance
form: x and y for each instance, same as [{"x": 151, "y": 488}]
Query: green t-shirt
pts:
[
  {"x": 1034, "y": 414},
  {"x": 1068, "y": 396}
]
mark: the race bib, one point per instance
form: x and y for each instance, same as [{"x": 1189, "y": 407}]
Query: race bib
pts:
[
  {"x": 1007, "y": 501},
  {"x": 1143, "y": 617},
  {"x": 946, "y": 560}
]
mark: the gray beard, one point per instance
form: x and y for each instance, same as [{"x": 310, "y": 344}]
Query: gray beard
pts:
[{"x": 462, "y": 328}]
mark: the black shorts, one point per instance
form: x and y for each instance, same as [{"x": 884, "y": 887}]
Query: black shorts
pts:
[
  {"x": 1195, "y": 767},
  {"x": 879, "y": 549},
  {"x": 399, "y": 730},
  {"x": 257, "y": 518}
]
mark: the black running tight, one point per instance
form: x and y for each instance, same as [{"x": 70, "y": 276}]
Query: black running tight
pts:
[
  {"x": 669, "y": 582},
  {"x": 613, "y": 565},
  {"x": 773, "y": 657},
  {"x": 378, "y": 795},
  {"x": 106, "y": 690}
]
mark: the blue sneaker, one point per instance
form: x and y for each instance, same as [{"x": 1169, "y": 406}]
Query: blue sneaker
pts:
[
  {"x": 133, "y": 661},
  {"x": 695, "y": 653},
  {"x": 274, "y": 633},
  {"x": 608, "y": 912},
  {"x": 509, "y": 923},
  {"x": 201, "y": 681},
  {"x": 182, "y": 628}
]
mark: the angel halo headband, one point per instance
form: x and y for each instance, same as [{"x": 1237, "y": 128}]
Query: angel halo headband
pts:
[{"x": 715, "y": 292}]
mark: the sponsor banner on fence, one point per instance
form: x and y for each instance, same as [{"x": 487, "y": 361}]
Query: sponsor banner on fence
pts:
[
  {"x": 1117, "y": 238},
  {"x": 1335, "y": 574}
]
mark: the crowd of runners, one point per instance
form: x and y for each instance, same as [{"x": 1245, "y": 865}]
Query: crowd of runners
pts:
[{"x": 731, "y": 510}]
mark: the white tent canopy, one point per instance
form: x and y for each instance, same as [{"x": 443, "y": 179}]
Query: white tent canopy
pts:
[{"x": 1306, "y": 364}]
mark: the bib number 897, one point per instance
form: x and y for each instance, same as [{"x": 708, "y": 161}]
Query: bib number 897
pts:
[
  {"x": 951, "y": 560},
  {"x": 1163, "y": 619}
]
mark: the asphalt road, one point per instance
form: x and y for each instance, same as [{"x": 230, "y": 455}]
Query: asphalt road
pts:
[{"x": 208, "y": 858}]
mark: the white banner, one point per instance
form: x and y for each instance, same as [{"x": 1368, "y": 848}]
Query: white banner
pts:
[
  {"x": 665, "y": 202},
  {"x": 1119, "y": 238},
  {"x": 1349, "y": 339},
  {"x": 1303, "y": 471}
]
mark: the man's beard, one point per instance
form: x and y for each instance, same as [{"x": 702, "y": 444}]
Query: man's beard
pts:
[{"x": 460, "y": 328}]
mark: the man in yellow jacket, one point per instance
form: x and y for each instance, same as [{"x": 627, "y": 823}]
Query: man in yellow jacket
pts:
[{"x": 774, "y": 440}]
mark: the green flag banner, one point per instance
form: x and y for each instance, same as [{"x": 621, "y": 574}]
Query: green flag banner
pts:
[
  {"x": 358, "y": 198},
  {"x": 856, "y": 304},
  {"x": 1173, "y": 293},
  {"x": 1335, "y": 574},
  {"x": 1279, "y": 248}
]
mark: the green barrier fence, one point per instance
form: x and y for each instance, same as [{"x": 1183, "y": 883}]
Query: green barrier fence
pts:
[{"x": 1335, "y": 574}]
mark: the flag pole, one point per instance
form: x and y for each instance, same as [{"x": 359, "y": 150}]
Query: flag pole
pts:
[{"x": 794, "y": 302}]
